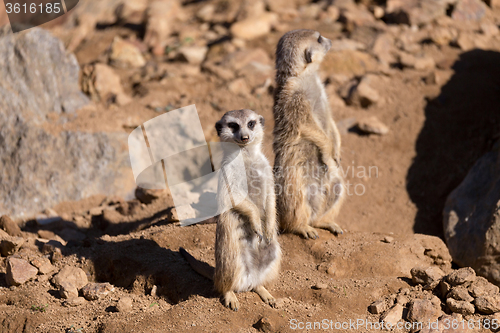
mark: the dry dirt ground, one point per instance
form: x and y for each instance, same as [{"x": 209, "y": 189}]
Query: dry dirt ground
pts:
[{"x": 437, "y": 131}]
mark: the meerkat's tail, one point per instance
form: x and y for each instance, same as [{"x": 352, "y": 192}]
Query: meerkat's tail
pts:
[{"x": 198, "y": 266}]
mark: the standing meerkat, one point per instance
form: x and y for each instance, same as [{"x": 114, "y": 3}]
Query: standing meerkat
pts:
[
  {"x": 309, "y": 184},
  {"x": 247, "y": 252}
]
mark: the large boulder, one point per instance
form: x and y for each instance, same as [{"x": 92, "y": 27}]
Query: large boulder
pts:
[
  {"x": 39, "y": 167},
  {"x": 472, "y": 218}
]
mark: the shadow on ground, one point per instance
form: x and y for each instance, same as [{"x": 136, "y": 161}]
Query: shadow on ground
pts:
[
  {"x": 136, "y": 263},
  {"x": 461, "y": 124}
]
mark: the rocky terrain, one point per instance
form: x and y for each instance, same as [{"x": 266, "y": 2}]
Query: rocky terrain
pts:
[{"x": 413, "y": 86}]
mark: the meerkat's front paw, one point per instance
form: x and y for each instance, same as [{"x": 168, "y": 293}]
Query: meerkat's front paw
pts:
[
  {"x": 307, "y": 232},
  {"x": 265, "y": 296},
  {"x": 231, "y": 301},
  {"x": 335, "y": 229}
]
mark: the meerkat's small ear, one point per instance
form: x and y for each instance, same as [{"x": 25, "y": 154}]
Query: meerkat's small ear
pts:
[
  {"x": 218, "y": 127},
  {"x": 309, "y": 55},
  {"x": 262, "y": 121}
]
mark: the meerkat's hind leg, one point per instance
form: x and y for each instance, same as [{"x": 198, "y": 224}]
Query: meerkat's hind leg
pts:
[
  {"x": 265, "y": 296},
  {"x": 230, "y": 300}
]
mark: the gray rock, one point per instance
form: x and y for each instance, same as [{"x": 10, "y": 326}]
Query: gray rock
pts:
[
  {"x": 19, "y": 271},
  {"x": 461, "y": 276},
  {"x": 423, "y": 311},
  {"x": 488, "y": 304},
  {"x": 471, "y": 216},
  {"x": 38, "y": 78},
  {"x": 482, "y": 287},
  {"x": 93, "y": 291},
  {"x": 74, "y": 275},
  {"x": 124, "y": 304},
  {"x": 461, "y": 307}
]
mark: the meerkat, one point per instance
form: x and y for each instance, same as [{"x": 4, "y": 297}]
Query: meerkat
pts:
[
  {"x": 309, "y": 184},
  {"x": 247, "y": 252}
]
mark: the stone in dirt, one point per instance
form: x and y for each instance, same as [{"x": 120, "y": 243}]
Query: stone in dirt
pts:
[
  {"x": 43, "y": 264},
  {"x": 160, "y": 19},
  {"x": 469, "y": 10},
  {"x": 132, "y": 12},
  {"x": 68, "y": 290},
  {"x": 147, "y": 196},
  {"x": 444, "y": 287},
  {"x": 489, "y": 29},
  {"x": 254, "y": 27},
  {"x": 363, "y": 94},
  {"x": 394, "y": 315},
  {"x": 93, "y": 291},
  {"x": 471, "y": 217},
  {"x": 482, "y": 287},
  {"x": 10, "y": 226},
  {"x": 124, "y": 304},
  {"x": 103, "y": 84},
  {"x": 378, "y": 307},
  {"x": 346, "y": 44},
  {"x": 8, "y": 244},
  {"x": 414, "y": 12},
  {"x": 239, "y": 87},
  {"x": 73, "y": 302},
  {"x": 383, "y": 48},
  {"x": 461, "y": 307},
  {"x": 488, "y": 304},
  {"x": 69, "y": 274},
  {"x": 461, "y": 276},
  {"x": 372, "y": 125},
  {"x": 124, "y": 54},
  {"x": 423, "y": 311},
  {"x": 460, "y": 294},
  {"x": 19, "y": 271},
  {"x": 319, "y": 286},
  {"x": 193, "y": 54},
  {"x": 264, "y": 325}
]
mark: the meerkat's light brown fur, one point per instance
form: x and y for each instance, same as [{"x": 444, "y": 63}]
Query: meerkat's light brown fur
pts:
[
  {"x": 247, "y": 252},
  {"x": 309, "y": 184}
]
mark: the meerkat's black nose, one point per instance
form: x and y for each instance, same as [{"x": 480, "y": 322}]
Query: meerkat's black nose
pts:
[{"x": 244, "y": 138}]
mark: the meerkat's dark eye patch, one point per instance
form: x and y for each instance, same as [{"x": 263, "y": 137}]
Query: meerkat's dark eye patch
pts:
[
  {"x": 308, "y": 55},
  {"x": 218, "y": 127},
  {"x": 320, "y": 39},
  {"x": 251, "y": 124},
  {"x": 233, "y": 126}
]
